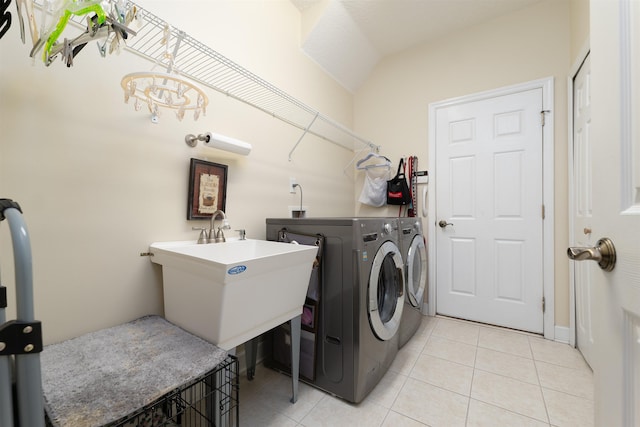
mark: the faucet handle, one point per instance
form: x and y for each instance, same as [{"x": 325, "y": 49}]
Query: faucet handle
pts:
[
  {"x": 243, "y": 234},
  {"x": 219, "y": 236},
  {"x": 203, "y": 238}
]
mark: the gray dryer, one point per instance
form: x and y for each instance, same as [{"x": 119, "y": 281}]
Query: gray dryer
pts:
[{"x": 414, "y": 255}]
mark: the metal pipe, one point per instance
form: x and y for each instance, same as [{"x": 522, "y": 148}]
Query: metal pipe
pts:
[
  {"x": 28, "y": 372},
  {"x": 300, "y": 187},
  {"x": 6, "y": 400}
]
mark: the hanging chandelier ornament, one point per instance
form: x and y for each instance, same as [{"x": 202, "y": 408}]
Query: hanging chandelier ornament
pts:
[{"x": 158, "y": 89}]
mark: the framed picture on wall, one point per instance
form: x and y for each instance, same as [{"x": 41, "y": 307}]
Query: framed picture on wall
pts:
[{"x": 207, "y": 189}]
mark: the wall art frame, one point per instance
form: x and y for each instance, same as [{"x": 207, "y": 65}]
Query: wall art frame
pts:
[{"x": 207, "y": 189}]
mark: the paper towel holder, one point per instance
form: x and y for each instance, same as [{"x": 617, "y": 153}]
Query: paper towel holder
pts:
[{"x": 221, "y": 142}]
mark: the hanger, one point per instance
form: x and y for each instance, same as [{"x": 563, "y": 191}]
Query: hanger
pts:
[
  {"x": 99, "y": 26},
  {"x": 369, "y": 146},
  {"x": 62, "y": 14},
  {"x": 70, "y": 48},
  {"x": 26, "y": 6},
  {"x": 386, "y": 163}
]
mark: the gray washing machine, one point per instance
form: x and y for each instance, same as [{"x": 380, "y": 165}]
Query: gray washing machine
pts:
[
  {"x": 414, "y": 255},
  {"x": 361, "y": 300}
]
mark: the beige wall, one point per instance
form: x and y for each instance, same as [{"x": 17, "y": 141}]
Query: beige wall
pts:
[
  {"x": 579, "y": 28},
  {"x": 98, "y": 182},
  {"x": 392, "y": 106}
]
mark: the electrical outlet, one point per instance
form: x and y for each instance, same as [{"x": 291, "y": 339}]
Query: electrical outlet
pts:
[{"x": 292, "y": 182}]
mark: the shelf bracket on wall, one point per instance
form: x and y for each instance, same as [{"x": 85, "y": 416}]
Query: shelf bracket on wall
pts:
[{"x": 306, "y": 130}]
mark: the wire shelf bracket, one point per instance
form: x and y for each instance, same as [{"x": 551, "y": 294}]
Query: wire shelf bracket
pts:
[{"x": 306, "y": 130}]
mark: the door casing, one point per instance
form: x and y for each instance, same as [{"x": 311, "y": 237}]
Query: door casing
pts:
[
  {"x": 570, "y": 146},
  {"x": 546, "y": 85}
]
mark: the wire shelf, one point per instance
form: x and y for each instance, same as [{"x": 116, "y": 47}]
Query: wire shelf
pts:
[{"x": 202, "y": 64}]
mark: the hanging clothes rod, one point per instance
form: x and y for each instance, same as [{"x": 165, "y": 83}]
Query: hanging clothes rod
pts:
[{"x": 206, "y": 66}]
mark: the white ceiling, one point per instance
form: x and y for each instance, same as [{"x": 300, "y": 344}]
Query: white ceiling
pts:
[{"x": 349, "y": 37}]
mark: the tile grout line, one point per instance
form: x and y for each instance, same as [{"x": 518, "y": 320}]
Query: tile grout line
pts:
[
  {"x": 510, "y": 411},
  {"x": 535, "y": 366},
  {"x": 473, "y": 376},
  {"x": 468, "y": 397}
]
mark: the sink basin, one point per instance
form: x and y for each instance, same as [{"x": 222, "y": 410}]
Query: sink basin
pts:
[{"x": 228, "y": 293}]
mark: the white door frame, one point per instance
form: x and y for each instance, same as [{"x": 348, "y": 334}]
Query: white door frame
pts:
[
  {"x": 546, "y": 85},
  {"x": 570, "y": 169}
]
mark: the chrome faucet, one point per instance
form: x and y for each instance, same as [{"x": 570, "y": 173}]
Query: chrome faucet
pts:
[{"x": 218, "y": 236}]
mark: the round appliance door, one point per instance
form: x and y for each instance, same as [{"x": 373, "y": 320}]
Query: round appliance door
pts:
[
  {"x": 416, "y": 274},
  {"x": 386, "y": 291}
]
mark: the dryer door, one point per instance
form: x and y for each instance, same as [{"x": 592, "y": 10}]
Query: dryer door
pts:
[
  {"x": 386, "y": 294},
  {"x": 416, "y": 273}
]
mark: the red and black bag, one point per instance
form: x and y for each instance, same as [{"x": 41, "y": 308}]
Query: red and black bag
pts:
[{"x": 397, "y": 188}]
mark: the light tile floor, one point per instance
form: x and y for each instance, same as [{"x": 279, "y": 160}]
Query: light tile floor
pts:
[{"x": 451, "y": 373}]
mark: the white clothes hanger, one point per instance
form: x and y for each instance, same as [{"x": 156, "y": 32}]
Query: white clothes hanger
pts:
[
  {"x": 386, "y": 163},
  {"x": 373, "y": 150}
]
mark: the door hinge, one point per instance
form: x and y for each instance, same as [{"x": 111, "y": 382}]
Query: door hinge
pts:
[
  {"x": 544, "y": 305},
  {"x": 542, "y": 113},
  {"x": 543, "y": 212}
]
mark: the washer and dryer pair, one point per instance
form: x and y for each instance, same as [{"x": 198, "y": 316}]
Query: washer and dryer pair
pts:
[{"x": 362, "y": 298}]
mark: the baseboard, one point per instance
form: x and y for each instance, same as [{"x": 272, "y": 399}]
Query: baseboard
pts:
[{"x": 562, "y": 334}]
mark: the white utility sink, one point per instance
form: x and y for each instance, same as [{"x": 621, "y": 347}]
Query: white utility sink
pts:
[{"x": 231, "y": 292}]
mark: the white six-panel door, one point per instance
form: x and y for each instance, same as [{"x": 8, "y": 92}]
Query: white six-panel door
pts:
[
  {"x": 615, "y": 66},
  {"x": 489, "y": 202}
]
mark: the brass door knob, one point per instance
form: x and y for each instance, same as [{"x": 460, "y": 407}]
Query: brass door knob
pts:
[
  {"x": 443, "y": 223},
  {"x": 603, "y": 252}
]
